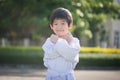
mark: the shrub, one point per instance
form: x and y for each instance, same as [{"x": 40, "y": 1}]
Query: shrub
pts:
[
  {"x": 21, "y": 55},
  {"x": 34, "y": 55},
  {"x": 99, "y": 50}
]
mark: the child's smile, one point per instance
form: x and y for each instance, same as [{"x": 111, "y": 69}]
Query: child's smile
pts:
[{"x": 60, "y": 27}]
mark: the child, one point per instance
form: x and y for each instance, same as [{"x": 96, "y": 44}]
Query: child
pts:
[{"x": 61, "y": 49}]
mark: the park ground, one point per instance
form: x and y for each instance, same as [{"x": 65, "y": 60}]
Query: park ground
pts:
[{"x": 28, "y": 73}]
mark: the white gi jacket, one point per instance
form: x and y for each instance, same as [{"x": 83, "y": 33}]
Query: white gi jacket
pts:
[{"x": 61, "y": 58}]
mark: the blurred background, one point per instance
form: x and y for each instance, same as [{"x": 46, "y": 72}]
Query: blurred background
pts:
[
  {"x": 26, "y": 22},
  {"x": 24, "y": 27}
]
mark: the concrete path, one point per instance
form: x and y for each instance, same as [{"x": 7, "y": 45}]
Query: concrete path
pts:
[{"x": 39, "y": 74}]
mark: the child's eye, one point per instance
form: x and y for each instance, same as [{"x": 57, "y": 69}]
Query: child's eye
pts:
[
  {"x": 63, "y": 23},
  {"x": 55, "y": 24}
]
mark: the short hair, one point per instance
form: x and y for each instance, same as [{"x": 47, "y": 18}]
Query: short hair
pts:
[{"x": 61, "y": 13}]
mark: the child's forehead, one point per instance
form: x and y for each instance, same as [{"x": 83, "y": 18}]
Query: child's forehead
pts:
[{"x": 60, "y": 19}]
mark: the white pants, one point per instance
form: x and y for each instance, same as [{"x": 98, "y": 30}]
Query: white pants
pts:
[{"x": 52, "y": 75}]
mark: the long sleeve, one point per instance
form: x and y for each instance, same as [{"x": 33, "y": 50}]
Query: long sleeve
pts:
[
  {"x": 69, "y": 52},
  {"x": 49, "y": 50}
]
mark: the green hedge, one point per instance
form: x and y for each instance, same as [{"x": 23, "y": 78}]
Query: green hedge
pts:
[
  {"x": 99, "y": 60},
  {"x": 34, "y": 55},
  {"x": 21, "y": 55}
]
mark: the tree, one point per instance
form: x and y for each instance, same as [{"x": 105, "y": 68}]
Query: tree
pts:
[
  {"x": 94, "y": 13},
  {"x": 27, "y": 17},
  {"x": 30, "y": 18}
]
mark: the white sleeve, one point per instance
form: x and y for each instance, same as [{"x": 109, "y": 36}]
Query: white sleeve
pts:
[
  {"x": 49, "y": 50},
  {"x": 69, "y": 52}
]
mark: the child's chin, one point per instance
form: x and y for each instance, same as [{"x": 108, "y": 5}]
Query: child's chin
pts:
[{"x": 60, "y": 36}]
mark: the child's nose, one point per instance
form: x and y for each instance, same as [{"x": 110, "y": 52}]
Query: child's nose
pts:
[{"x": 60, "y": 26}]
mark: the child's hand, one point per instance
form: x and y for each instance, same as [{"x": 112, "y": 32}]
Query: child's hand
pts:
[
  {"x": 68, "y": 37},
  {"x": 53, "y": 38}
]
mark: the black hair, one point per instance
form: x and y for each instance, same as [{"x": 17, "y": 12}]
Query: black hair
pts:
[{"x": 61, "y": 13}]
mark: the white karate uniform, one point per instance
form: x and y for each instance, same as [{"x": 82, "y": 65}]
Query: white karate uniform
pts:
[{"x": 61, "y": 58}]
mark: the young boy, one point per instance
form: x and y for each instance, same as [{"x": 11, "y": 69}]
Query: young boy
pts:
[{"x": 61, "y": 48}]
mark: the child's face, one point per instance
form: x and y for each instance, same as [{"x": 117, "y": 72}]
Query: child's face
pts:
[{"x": 60, "y": 27}]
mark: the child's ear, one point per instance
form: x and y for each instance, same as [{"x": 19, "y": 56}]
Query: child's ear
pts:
[
  {"x": 70, "y": 26},
  {"x": 51, "y": 26}
]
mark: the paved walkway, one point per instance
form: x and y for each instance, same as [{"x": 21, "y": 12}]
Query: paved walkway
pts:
[{"x": 39, "y": 74}]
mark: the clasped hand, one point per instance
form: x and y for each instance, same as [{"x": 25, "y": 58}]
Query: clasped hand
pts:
[{"x": 68, "y": 37}]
